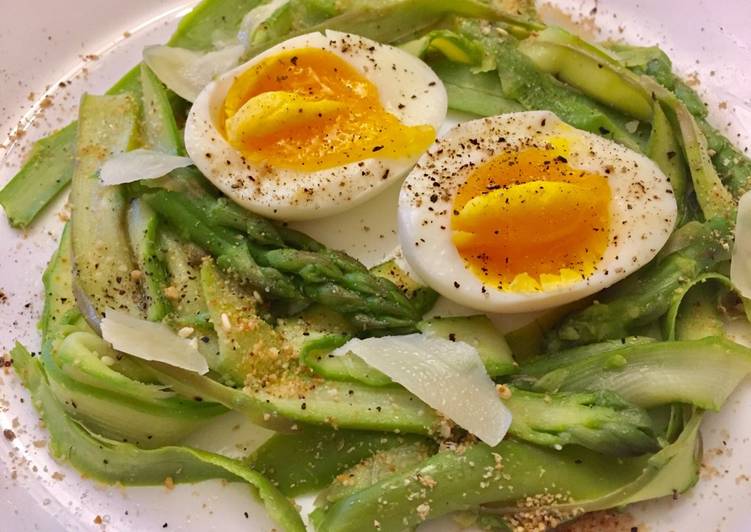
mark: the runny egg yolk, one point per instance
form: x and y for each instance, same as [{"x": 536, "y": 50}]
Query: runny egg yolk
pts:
[
  {"x": 308, "y": 109},
  {"x": 527, "y": 221}
]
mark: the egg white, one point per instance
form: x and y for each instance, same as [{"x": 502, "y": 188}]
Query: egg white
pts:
[
  {"x": 408, "y": 89},
  {"x": 643, "y": 208}
]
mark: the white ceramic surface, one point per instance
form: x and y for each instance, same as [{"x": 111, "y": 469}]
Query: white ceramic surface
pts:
[{"x": 91, "y": 43}]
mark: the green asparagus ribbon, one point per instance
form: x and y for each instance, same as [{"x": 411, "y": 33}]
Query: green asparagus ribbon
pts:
[{"x": 113, "y": 462}]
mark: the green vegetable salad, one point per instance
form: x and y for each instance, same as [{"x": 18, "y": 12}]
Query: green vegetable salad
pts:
[{"x": 170, "y": 302}]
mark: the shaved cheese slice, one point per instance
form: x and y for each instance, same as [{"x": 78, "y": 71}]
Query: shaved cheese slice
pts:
[
  {"x": 448, "y": 376},
  {"x": 150, "y": 340},
  {"x": 140, "y": 164},
  {"x": 740, "y": 265},
  {"x": 253, "y": 20},
  {"x": 186, "y": 72}
]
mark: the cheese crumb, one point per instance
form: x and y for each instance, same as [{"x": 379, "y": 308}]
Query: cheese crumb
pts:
[
  {"x": 427, "y": 481},
  {"x": 444, "y": 428},
  {"x": 185, "y": 332},
  {"x": 171, "y": 293},
  {"x": 504, "y": 392},
  {"x": 226, "y": 324},
  {"x": 632, "y": 126}
]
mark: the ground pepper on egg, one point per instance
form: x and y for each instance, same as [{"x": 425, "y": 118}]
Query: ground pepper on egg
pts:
[
  {"x": 527, "y": 220},
  {"x": 308, "y": 109}
]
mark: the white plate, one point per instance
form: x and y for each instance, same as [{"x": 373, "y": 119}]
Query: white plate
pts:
[{"x": 45, "y": 42}]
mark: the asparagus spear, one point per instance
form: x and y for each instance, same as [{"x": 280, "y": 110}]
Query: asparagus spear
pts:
[
  {"x": 733, "y": 166},
  {"x": 325, "y": 276},
  {"x": 143, "y": 233},
  {"x": 102, "y": 259},
  {"x": 664, "y": 149},
  {"x": 48, "y": 171},
  {"x": 601, "y": 421},
  {"x": 114, "y": 405},
  {"x": 422, "y": 297},
  {"x": 223, "y": 212},
  {"x": 603, "y": 80},
  {"x": 228, "y": 247},
  {"x": 244, "y": 346},
  {"x": 714, "y": 199},
  {"x": 159, "y": 127},
  {"x": 529, "y": 340},
  {"x": 652, "y": 61},
  {"x": 349, "y": 368},
  {"x": 544, "y": 363},
  {"x": 380, "y": 465},
  {"x": 694, "y": 312},
  {"x": 183, "y": 265}
]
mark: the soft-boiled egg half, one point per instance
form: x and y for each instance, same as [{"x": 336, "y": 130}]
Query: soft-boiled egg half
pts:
[
  {"x": 315, "y": 125},
  {"x": 521, "y": 212}
]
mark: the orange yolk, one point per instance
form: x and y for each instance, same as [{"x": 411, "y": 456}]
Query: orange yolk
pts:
[
  {"x": 308, "y": 109},
  {"x": 527, "y": 221}
]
